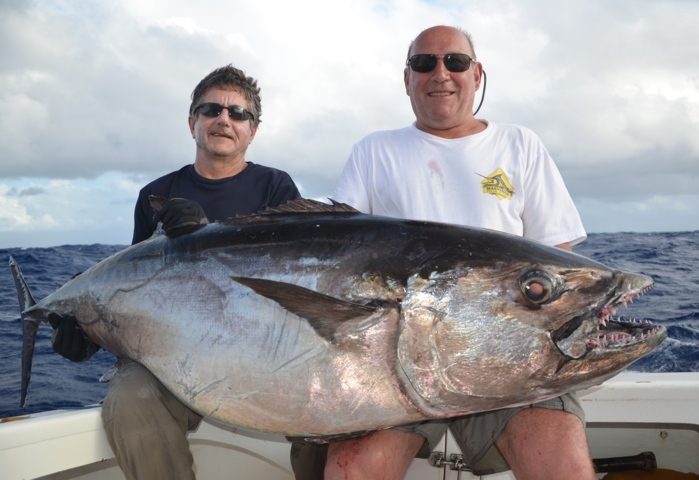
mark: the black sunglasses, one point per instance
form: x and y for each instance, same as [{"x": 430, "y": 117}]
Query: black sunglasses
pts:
[
  {"x": 235, "y": 112},
  {"x": 426, "y": 62}
]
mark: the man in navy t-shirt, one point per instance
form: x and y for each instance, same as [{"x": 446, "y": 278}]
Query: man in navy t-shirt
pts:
[{"x": 145, "y": 424}]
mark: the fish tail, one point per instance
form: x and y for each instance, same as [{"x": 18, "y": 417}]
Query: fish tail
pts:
[{"x": 29, "y": 327}]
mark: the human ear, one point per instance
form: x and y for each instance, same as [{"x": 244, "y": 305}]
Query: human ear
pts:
[{"x": 190, "y": 120}]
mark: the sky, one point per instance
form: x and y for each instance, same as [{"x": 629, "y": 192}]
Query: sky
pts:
[{"x": 94, "y": 97}]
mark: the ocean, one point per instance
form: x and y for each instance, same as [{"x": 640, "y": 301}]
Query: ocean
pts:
[{"x": 672, "y": 259}]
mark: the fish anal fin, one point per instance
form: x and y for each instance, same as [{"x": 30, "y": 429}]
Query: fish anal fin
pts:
[{"x": 324, "y": 313}]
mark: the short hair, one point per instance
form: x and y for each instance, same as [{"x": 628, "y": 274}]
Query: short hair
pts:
[
  {"x": 230, "y": 77},
  {"x": 458, "y": 29}
]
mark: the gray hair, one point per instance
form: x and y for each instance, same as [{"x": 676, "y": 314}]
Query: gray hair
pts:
[{"x": 231, "y": 77}]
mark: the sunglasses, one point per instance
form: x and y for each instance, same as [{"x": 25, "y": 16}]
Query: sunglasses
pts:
[
  {"x": 426, "y": 62},
  {"x": 213, "y": 110}
]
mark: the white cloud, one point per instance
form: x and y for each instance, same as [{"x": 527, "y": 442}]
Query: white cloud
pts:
[
  {"x": 94, "y": 87},
  {"x": 39, "y": 210}
]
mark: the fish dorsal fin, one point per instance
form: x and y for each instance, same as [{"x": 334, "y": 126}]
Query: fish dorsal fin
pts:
[
  {"x": 301, "y": 206},
  {"x": 324, "y": 313},
  {"x": 307, "y": 205}
]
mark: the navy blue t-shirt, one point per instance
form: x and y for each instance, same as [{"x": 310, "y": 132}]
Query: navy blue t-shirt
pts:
[{"x": 252, "y": 190}]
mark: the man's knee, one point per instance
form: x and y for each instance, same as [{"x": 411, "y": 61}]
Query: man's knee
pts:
[
  {"x": 539, "y": 440},
  {"x": 385, "y": 454},
  {"x": 536, "y": 424}
]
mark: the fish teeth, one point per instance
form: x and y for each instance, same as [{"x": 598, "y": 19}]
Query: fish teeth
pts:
[{"x": 603, "y": 339}]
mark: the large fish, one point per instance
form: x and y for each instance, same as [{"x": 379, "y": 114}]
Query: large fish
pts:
[{"x": 317, "y": 320}]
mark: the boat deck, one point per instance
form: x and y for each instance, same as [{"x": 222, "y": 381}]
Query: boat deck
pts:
[{"x": 629, "y": 414}]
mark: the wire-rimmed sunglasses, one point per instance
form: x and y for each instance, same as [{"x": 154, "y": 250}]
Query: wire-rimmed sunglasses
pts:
[
  {"x": 235, "y": 112},
  {"x": 426, "y": 62}
]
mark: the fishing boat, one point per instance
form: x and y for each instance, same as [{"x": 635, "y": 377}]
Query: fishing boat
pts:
[{"x": 636, "y": 421}]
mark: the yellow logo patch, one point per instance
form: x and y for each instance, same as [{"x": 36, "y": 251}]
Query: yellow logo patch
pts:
[{"x": 498, "y": 184}]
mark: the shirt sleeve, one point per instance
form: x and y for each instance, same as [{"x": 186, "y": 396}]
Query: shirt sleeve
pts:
[
  {"x": 283, "y": 191},
  {"x": 142, "y": 221},
  {"x": 549, "y": 215},
  {"x": 351, "y": 187}
]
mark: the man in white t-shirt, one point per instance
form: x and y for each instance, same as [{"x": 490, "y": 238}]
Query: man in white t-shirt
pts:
[{"x": 451, "y": 167}]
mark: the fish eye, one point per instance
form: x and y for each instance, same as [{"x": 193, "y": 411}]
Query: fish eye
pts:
[{"x": 538, "y": 286}]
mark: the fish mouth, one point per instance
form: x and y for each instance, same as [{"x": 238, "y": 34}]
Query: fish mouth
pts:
[
  {"x": 599, "y": 332},
  {"x": 618, "y": 333}
]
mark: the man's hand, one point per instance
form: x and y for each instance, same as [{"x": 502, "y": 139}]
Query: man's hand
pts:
[
  {"x": 69, "y": 340},
  {"x": 180, "y": 216}
]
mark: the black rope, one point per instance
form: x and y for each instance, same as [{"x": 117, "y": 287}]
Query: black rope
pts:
[{"x": 485, "y": 80}]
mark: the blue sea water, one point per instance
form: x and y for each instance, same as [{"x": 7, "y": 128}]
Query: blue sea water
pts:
[{"x": 672, "y": 259}]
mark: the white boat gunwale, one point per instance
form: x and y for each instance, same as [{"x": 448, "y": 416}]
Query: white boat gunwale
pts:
[{"x": 627, "y": 414}]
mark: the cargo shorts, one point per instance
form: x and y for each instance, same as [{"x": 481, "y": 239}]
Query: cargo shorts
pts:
[
  {"x": 476, "y": 433},
  {"x": 147, "y": 426}
]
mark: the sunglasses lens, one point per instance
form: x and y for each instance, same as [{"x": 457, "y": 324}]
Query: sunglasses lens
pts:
[
  {"x": 422, "y": 62},
  {"x": 457, "y": 62},
  {"x": 235, "y": 112},
  {"x": 209, "y": 109},
  {"x": 426, "y": 62}
]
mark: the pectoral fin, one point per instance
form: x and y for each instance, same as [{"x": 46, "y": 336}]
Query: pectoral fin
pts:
[{"x": 324, "y": 313}]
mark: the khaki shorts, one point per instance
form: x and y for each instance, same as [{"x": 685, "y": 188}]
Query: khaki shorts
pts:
[
  {"x": 476, "y": 434},
  {"x": 147, "y": 426}
]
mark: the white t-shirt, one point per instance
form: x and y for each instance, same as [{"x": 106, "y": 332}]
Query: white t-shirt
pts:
[{"x": 501, "y": 178}]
